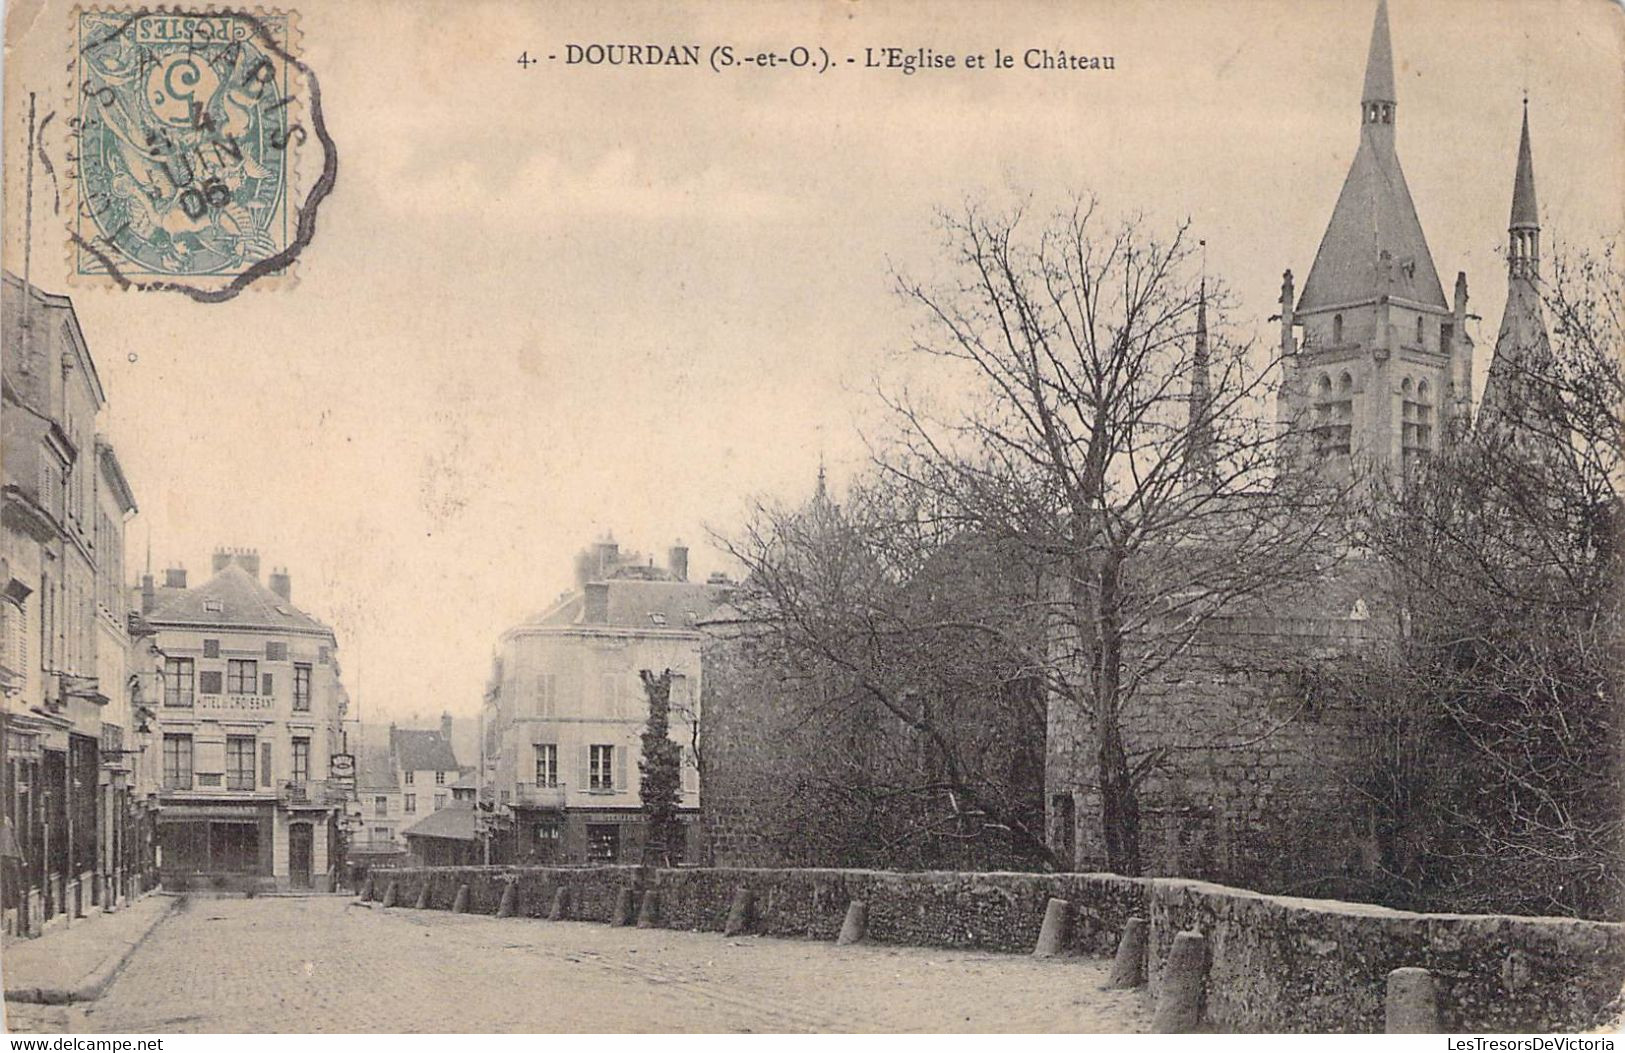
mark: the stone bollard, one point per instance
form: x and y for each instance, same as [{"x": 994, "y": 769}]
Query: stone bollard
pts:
[
  {"x": 739, "y": 913},
  {"x": 855, "y": 929},
  {"x": 623, "y": 908},
  {"x": 1412, "y": 1003},
  {"x": 561, "y": 904},
  {"x": 392, "y": 895},
  {"x": 459, "y": 904},
  {"x": 1052, "y": 937},
  {"x": 510, "y": 897},
  {"x": 1128, "y": 968},
  {"x": 649, "y": 910},
  {"x": 424, "y": 893},
  {"x": 1184, "y": 975}
]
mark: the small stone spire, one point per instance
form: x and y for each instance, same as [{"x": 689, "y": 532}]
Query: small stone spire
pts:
[
  {"x": 1378, "y": 99},
  {"x": 1523, "y": 229},
  {"x": 1199, "y": 426},
  {"x": 1518, "y": 397}
]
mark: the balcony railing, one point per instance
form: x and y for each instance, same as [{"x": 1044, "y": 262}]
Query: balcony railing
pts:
[
  {"x": 312, "y": 792},
  {"x": 535, "y": 795}
]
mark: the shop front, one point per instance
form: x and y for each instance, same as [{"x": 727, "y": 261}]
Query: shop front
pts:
[{"x": 217, "y": 845}]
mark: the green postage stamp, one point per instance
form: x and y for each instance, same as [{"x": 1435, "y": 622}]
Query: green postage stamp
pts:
[{"x": 188, "y": 128}]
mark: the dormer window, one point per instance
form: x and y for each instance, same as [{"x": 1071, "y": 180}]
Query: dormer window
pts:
[
  {"x": 213, "y": 606},
  {"x": 657, "y": 618}
]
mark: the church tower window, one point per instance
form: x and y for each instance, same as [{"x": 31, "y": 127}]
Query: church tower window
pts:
[
  {"x": 1334, "y": 415},
  {"x": 1416, "y": 416},
  {"x": 1337, "y": 329}
]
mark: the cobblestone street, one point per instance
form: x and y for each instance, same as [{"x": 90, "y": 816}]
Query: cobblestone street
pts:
[{"x": 329, "y": 964}]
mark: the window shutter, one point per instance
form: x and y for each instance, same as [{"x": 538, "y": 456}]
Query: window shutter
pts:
[
  {"x": 209, "y": 682},
  {"x": 265, "y": 764},
  {"x": 266, "y": 685},
  {"x": 620, "y": 767},
  {"x": 586, "y": 767},
  {"x": 17, "y": 622}
]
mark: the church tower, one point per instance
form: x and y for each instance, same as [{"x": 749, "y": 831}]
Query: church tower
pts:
[
  {"x": 1523, "y": 352},
  {"x": 1378, "y": 366}
]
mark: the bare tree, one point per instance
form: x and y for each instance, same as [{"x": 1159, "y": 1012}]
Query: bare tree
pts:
[
  {"x": 1091, "y": 428},
  {"x": 911, "y": 719}
]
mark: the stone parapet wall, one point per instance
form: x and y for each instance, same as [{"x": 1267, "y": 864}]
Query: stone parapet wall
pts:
[{"x": 1278, "y": 964}]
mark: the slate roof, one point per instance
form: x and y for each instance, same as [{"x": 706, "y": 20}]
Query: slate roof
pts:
[
  {"x": 376, "y": 772},
  {"x": 639, "y": 604},
  {"x": 1374, "y": 214},
  {"x": 242, "y": 601},
  {"x": 455, "y": 822},
  {"x": 417, "y": 750}
]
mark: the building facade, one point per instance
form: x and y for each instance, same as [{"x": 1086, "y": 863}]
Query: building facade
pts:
[
  {"x": 417, "y": 773},
  {"x": 565, "y": 709},
  {"x": 250, "y": 718},
  {"x": 72, "y": 812}
]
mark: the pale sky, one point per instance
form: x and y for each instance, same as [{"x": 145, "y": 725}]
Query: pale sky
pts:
[{"x": 545, "y": 302}]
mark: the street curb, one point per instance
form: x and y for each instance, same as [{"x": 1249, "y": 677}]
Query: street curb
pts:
[{"x": 96, "y": 984}]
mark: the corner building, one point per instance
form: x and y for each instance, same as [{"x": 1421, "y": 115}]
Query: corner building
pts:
[
  {"x": 251, "y": 715},
  {"x": 565, "y": 710}
]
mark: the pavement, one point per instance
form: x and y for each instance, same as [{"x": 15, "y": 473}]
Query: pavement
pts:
[
  {"x": 330, "y": 964},
  {"x": 77, "y": 963}
]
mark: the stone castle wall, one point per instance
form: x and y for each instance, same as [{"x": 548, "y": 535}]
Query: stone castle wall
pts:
[
  {"x": 741, "y": 733},
  {"x": 1257, "y": 782},
  {"x": 1276, "y": 963}
]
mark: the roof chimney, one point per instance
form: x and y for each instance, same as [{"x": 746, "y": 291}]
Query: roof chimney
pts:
[
  {"x": 677, "y": 560},
  {"x": 445, "y": 725},
  {"x": 221, "y": 560},
  {"x": 595, "y": 608},
  {"x": 249, "y": 560},
  {"x": 149, "y": 595},
  {"x": 175, "y": 578},
  {"x": 282, "y": 584}
]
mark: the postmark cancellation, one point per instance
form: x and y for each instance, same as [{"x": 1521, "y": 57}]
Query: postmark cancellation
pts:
[{"x": 188, "y": 132}]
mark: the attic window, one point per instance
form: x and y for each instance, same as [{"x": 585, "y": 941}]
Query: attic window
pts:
[
  {"x": 657, "y": 617},
  {"x": 213, "y": 606}
]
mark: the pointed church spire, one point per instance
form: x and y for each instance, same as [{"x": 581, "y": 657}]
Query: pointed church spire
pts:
[
  {"x": 1374, "y": 213},
  {"x": 1199, "y": 426},
  {"x": 1379, "y": 63},
  {"x": 1524, "y": 213},
  {"x": 1515, "y": 390},
  {"x": 1523, "y": 229}
]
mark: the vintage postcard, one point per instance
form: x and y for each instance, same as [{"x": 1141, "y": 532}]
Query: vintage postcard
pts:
[{"x": 812, "y": 517}]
